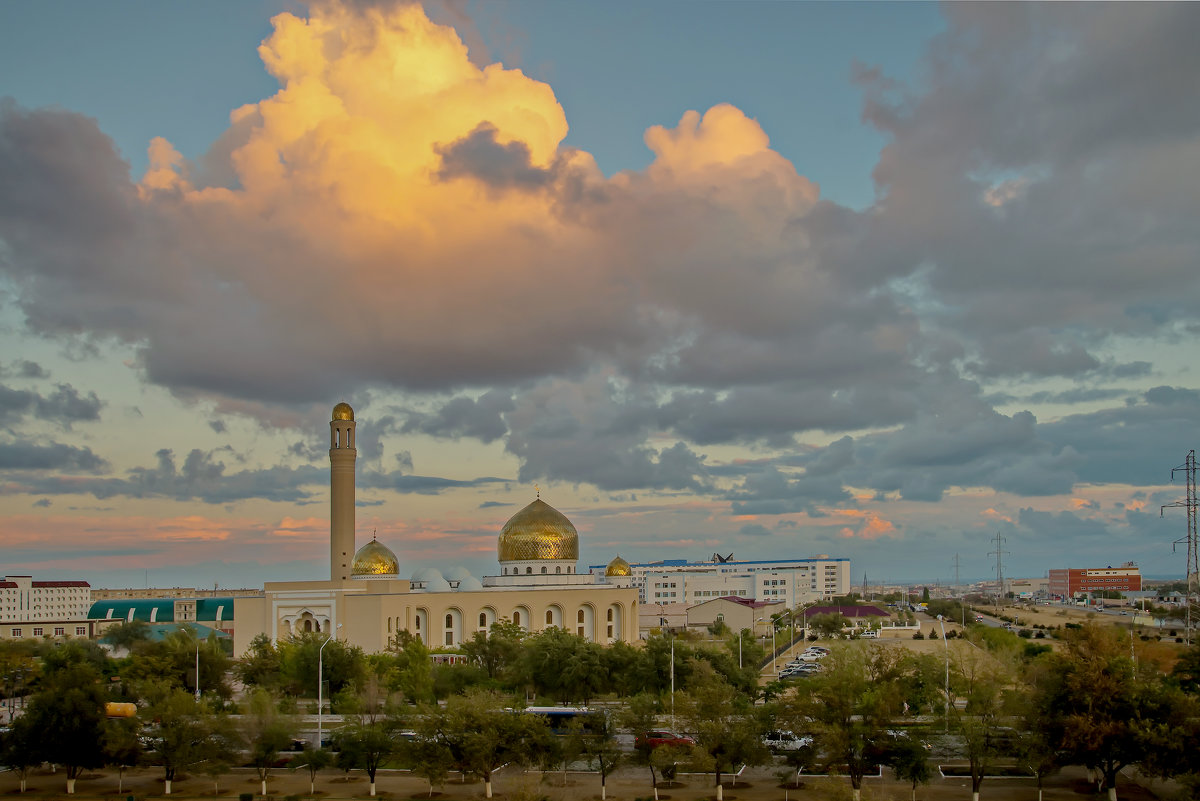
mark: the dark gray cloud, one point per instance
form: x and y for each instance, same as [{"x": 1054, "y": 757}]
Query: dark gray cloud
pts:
[
  {"x": 23, "y": 368},
  {"x": 481, "y": 418},
  {"x": 478, "y": 155},
  {"x": 64, "y": 406},
  {"x": 22, "y": 456}
]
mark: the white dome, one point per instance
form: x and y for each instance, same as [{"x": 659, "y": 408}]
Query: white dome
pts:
[
  {"x": 457, "y": 573},
  {"x": 469, "y": 584},
  {"x": 436, "y": 583},
  {"x": 426, "y": 573}
]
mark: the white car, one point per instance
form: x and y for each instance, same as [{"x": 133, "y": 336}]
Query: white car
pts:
[{"x": 785, "y": 741}]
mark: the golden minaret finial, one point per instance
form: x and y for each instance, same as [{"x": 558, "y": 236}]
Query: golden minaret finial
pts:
[{"x": 538, "y": 490}]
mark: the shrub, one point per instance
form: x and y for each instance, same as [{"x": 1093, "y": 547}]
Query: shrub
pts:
[
  {"x": 918, "y": 635},
  {"x": 245, "y": 796},
  {"x": 1025, "y": 633},
  {"x": 1041, "y": 635}
]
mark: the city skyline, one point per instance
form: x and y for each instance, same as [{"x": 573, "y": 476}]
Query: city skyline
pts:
[{"x": 869, "y": 280}]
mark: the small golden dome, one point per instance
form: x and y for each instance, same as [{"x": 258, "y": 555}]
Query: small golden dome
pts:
[
  {"x": 375, "y": 559},
  {"x": 539, "y": 531},
  {"x": 618, "y": 567},
  {"x": 343, "y": 412}
]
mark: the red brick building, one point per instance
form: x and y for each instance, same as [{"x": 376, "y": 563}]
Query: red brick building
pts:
[{"x": 1069, "y": 582}]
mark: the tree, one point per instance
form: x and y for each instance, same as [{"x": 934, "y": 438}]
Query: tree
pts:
[
  {"x": 314, "y": 760},
  {"x": 372, "y": 736},
  {"x": 640, "y": 715},
  {"x": 851, "y": 703},
  {"x": 412, "y": 671},
  {"x": 498, "y": 650},
  {"x": 260, "y": 665},
  {"x": 979, "y": 723},
  {"x": 265, "y": 732},
  {"x": 481, "y": 735},
  {"x": 1102, "y": 711},
  {"x": 719, "y": 717},
  {"x": 910, "y": 760},
  {"x": 598, "y": 745},
  {"x": 67, "y": 719},
  {"x": 1034, "y": 742},
  {"x": 430, "y": 759},
  {"x": 828, "y": 625},
  {"x": 181, "y": 727},
  {"x": 219, "y": 750},
  {"x": 122, "y": 748},
  {"x": 19, "y": 748},
  {"x": 127, "y": 635}
]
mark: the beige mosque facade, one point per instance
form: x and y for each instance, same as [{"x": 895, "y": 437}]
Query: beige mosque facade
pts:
[{"x": 366, "y": 603}]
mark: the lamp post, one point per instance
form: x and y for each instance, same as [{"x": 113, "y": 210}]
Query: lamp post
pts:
[
  {"x": 945, "y": 642},
  {"x": 321, "y": 685},
  {"x": 197, "y": 667}
]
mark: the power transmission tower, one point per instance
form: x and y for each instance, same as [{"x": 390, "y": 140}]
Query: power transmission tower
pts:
[
  {"x": 999, "y": 554},
  {"x": 1188, "y": 468},
  {"x": 962, "y": 596}
]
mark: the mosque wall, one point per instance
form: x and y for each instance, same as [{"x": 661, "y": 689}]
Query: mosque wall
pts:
[{"x": 370, "y": 617}]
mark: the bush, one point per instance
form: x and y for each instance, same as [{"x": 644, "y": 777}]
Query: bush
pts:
[
  {"x": 951, "y": 634},
  {"x": 918, "y": 635},
  {"x": 1041, "y": 635},
  {"x": 245, "y": 796},
  {"x": 1025, "y": 633},
  {"x": 1178, "y": 639}
]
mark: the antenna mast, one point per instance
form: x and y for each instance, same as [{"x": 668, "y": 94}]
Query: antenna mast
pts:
[{"x": 1188, "y": 468}]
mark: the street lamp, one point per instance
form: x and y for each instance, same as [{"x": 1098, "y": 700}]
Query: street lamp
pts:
[
  {"x": 945, "y": 642},
  {"x": 197, "y": 667},
  {"x": 774, "y": 668},
  {"x": 321, "y": 685}
]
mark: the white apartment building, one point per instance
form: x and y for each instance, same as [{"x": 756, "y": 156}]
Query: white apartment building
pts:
[
  {"x": 31, "y": 608},
  {"x": 788, "y": 581}
]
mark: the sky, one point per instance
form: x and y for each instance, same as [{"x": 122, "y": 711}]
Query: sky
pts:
[{"x": 881, "y": 281}]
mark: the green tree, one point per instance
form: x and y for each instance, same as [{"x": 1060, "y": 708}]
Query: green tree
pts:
[
  {"x": 498, "y": 651},
  {"x": 429, "y": 758},
  {"x": 1102, "y": 712},
  {"x": 122, "y": 748},
  {"x": 314, "y": 760},
  {"x": 265, "y": 732},
  {"x": 219, "y": 750},
  {"x": 412, "y": 673},
  {"x": 851, "y": 703},
  {"x": 260, "y": 665},
  {"x": 67, "y": 717},
  {"x": 127, "y": 635},
  {"x": 481, "y": 735},
  {"x": 181, "y": 726},
  {"x": 828, "y": 625},
  {"x": 372, "y": 735},
  {"x": 19, "y": 749},
  {"x": 598, "y": 745},
  {"x": 720, "y": 718},
  {"x": 910, "y": 760},
  {"x": 640, "y": 715}
]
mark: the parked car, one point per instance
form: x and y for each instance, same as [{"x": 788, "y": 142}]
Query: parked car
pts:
[
  {"x": 785, "y": 741},
  {"x": 657, "y": 738}
]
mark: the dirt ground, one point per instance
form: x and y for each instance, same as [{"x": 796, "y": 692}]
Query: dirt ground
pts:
[{"x": 760, "y": 784}]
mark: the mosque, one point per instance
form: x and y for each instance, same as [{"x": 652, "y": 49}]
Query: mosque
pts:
[{"x": 365, "y": 602}]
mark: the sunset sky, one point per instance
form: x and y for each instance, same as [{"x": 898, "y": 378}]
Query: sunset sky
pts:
[{"x": 877, "y": 281}]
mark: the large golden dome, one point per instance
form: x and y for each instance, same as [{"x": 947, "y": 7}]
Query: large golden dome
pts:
[
  {"x": 618, "y": 567},
  {"x": 375, "y": 559},
  {"x": 539, "y": 531},
  {"x": 343, "y": 412}
]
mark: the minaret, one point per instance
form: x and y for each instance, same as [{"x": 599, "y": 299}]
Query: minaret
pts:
[{"x": 342, "y": 456}]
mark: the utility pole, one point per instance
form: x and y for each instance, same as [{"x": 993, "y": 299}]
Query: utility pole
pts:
[
  {"x": 999, "y": 554},
  {"x": 1188, "y": 468},
  {"x": 962, "y": 596}
]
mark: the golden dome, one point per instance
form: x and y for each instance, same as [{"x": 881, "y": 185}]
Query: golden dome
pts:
[
  {"x": 618, "y": 567},
  {"x": 539, "y": 531},
  {"x": 375, "y": 559},
  {"x": 343, "y": 412}
]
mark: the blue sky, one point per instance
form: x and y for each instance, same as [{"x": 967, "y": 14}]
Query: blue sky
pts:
[{"x": 872, "y": 280}]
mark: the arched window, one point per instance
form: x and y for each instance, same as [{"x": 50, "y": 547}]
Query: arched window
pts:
[
  {"x": 579, "y": 616},
  {"x": 543, "y": 570},
  {"x": 558, "y": 569},
  {"x": 610, "y": 620},
  {"x": 449, "y": 621},
  {"x": 417, "y": 622},
  {"x": 549, "y": 617},
  {"x": 308, "y": 625},
  {"x": 517, "y": 618},
  {"x": 528, "y": 570},
  {"x": 483, "y": 620}
]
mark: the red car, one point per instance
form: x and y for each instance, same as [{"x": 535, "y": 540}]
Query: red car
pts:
[{"x": 660, "y": 737}]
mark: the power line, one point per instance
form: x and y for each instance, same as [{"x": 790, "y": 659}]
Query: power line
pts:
[
  {"x": 999, "y": 554},
  {"x": 1188, "y": 468}
]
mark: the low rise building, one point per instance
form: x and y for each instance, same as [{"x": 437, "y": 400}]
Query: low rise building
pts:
[
  {"x": 54, "y": 609},
  {"x": 1069, "y": 582}
]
